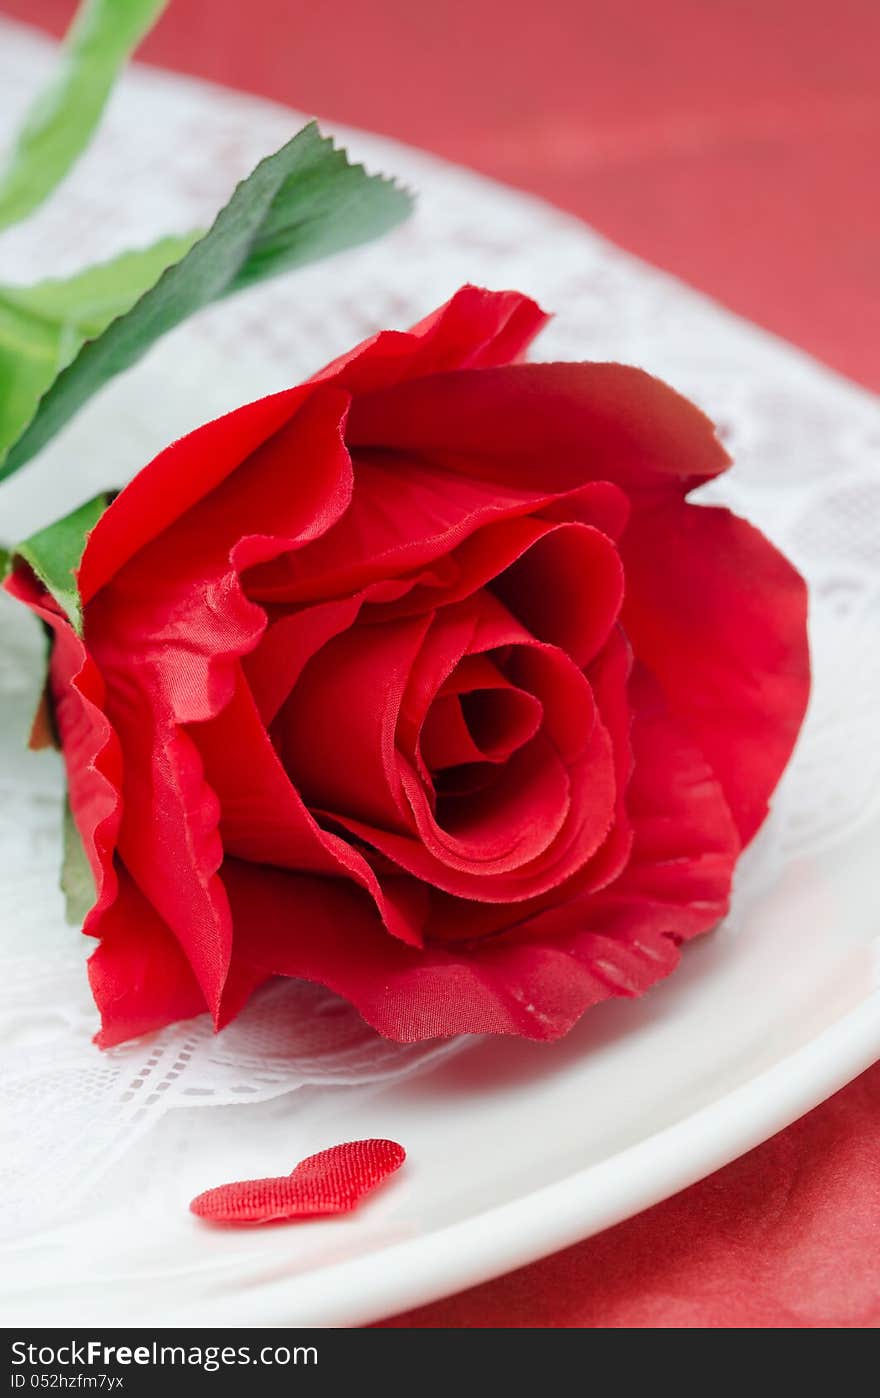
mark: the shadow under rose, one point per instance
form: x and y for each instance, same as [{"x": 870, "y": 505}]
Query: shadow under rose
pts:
[{"x": 492, "y": 1063}]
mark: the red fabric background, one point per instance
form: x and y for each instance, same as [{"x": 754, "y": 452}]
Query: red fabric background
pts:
[
  {"x": 736, "y": 144},
  {"x": 733, "y": 141}
]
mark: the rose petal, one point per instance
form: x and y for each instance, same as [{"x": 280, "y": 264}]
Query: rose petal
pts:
[
  {"x": 285, "y": 647},
  {"x": 175, "y": 480},
  {"x": 486, "y": 554},
  {"x": 140, "y": 977},
  {"x": 598, "y": 503},
  {"x": 720, "y": 617},
  {"x": 547, "y": 427},
  {"x": 539, "y": 978},
  {"x": 486, "y": 724},
  {"x": 566, "y": 589},
  {"x": 502, "y": 826},
  {"x": 475, "y": 328},
  {"x": 458, "y": 920},
  {"x": 167, "y": 638},
  {"x": 169, "y": 839},
  {"x": 336, "y": 731},
  {"x": 264, "y": 819},
  {"x": 90, "y": 745},
  {"x": 535, "y": 989},
  {"x": 496, "y": 851},
  {"x": 405, "y": 513}
]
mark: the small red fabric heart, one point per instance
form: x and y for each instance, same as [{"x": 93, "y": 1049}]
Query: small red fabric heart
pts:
[{"x": 332, "y": 1182}]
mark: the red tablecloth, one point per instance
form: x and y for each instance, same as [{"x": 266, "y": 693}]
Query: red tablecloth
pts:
[{"x": 735, "y": 143}]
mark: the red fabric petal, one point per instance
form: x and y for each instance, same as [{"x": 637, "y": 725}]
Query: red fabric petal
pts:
[
  {"x": 551, "y": 805},
  {"x": 538, "y": 979},
  {"x": 719, "y": 616},
  {"x": 262, "y": 816},
  {"x": 167, "y": 637},
  {"x": 328, "y": 932},
  {"x": 169, "y": 839},
  {"x": 175, "y": 480},
  {"x": 548, "y": 427},
  {"x": 491, "y": 550},
  {"x": 598, "y": 503},
  {"x": 537, "y": 859},
  {"x": 405, "y": 513},
  {"x": 452, "y": 919},
  {"x": 332, "y": 1182},
  {"x": 685, "y": 841},
  {"x": 566, "y": 589},
  {"x": 140, "y": 977},
  {"x": 486, "y": 723},
  {"x": 264, "y": 819},
  {"x": 609, "y": 676},
  {"x": 336, "y": 732},
  {"x": 285, "y": 647},
  {"x": 476, "y": 328},
  {"x": 90, "y": 746},
  {"x": 500, "y": 826}
]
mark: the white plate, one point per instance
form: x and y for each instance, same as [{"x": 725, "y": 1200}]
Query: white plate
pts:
[{"x": 515, "y": 1149}]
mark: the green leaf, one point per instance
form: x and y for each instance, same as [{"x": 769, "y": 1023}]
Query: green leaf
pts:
[
  {"x": 60, "y": 123},
  {"x": 77, "y": 883},
  {"x": 55, "y": 552},
  {"x": 302, "y": 203},
  {"x": 43, "y": 327}
]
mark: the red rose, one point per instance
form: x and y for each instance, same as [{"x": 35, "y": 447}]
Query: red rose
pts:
[{"x": 422, "y": 680}]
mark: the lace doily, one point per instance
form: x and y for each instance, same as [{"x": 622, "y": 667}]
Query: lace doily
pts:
[{"x": 806, "y": 447}]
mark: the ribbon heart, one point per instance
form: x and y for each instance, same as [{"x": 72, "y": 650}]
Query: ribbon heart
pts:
[{"x": 332, "y": 1182}]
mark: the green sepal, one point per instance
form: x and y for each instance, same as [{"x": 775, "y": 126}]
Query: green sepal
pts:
[
  {"x": 77, "y": 882},
  {"x": 54, "y": 553}
]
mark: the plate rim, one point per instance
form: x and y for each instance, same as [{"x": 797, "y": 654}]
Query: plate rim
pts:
[{"x": 385, "y": 1282}]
